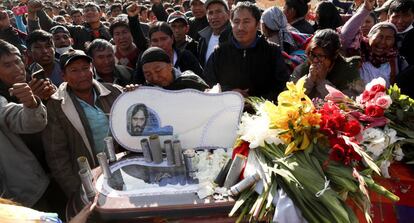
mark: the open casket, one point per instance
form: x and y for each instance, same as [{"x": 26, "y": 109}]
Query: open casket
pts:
[{"x": 146, "y": 190}]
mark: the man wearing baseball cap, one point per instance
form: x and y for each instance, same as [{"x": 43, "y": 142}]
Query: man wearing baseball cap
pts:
[
  {"x": 218, "y": 31},
  {"x": 77, "y": 119},
  {"x": 62, "y": 40},
  {"x": 179, "y": 25}
]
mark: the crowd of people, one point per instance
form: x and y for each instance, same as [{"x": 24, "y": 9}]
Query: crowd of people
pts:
[{"x": 63, "y": 64}]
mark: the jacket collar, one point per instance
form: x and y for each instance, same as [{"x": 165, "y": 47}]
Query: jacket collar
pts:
[
  {"x": 207, "y": 31},
  {"x": 62, "y": 92}
]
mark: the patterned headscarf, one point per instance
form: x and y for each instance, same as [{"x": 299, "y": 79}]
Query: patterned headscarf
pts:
[
  {"x": 275, "y": 20},
  {"x": 377, "y": 60}
]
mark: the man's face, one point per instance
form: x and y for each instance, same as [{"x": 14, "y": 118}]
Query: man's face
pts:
[
  {"x": 91, "y": 14},
  {"x": 138, "y": 121},
  {"x": 77, "y": 18},
  {"x": 402, "y": 20},
  {"x": 43, "y": 52},
  {"x": 217, "y": 16},
  {"x": 4, "y": 20},
  {"x": 180, "y": 30},
  {"x": 12, "y": 69},
  {"x": 61, "y": 40},
  {"x": 79, "y": 75},
  {"x": 122, "y": 37},
  {"x": 244, "y": 27},
  {"x": 116, "y": 11},
  {"x": 104, "y": 61},
  {"x": 158, "y": 73},
  {"x": 198, "y": 9}
]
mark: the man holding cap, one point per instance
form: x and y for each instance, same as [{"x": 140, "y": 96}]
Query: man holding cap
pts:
[
  {"x": 77, "y": 119},
  {"x": 179, "y": 25},
  {"x": 218, "y": 31},
  {"x": 158, "y": 71}
]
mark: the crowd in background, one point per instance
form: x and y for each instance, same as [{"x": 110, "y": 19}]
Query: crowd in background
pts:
[{"x": 63, "y": 63}]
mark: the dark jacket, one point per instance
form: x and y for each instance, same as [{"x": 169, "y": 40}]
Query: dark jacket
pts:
[
  {"x": 190, "y": 45},
  {"x": 137, "y": 33},
  {"x": 259, "y": 68},
  {"x": 15, "y": 37},
  {"x": 80, "y": 33},
  {"x": 122, "y": 75},
  {"x": 196, "y": 25},
  {"x": 185, "y": 61},
  {"x": 205, "y": 35},
  {"x": 405, "y": 80},
  {"x": 159, "y": 12},
  {"x": 68, "y": 135},
  {"x": 303, "y": 26},
  {"x": 186, "y": 80}
]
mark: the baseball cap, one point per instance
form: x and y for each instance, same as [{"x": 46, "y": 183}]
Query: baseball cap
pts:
[
  {"x": 176, "y": 16},
  {"x": 59, "y": 29},
  {"x": 70, "y": 56},
  {"x": 208, "y": 2}
]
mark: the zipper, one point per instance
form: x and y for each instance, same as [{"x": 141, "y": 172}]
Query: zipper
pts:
[{"x": 244, "y": 53}]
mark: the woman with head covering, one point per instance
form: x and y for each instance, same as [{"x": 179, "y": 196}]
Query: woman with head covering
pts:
[
  {"x": 378, "y": 48},
  {"x": 380, "y": 54},
  {"x": 276, "y": 29},
  {"x": 325, "y": 66}
]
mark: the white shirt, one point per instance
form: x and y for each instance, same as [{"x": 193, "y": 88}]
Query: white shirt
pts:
[{"x": 214, "y": 41}]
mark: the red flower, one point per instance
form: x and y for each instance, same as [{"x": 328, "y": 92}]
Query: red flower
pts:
[
  {"x": 352, "y": 128},
  {"x": 342, "y": 152},
  {"x": 366, "y": 96},
  {"x": 374, "y": 111},
  {"x": 376, "y": 89},
  {"x": 337, "y": 153}
]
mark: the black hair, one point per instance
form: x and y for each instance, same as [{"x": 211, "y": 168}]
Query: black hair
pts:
[
  {"x": 38, "y": 36},
  {"x": 251, "y": 7},
  {"x": 374, "y": 16},
  {"x": 401, "y": 6},
  {"x": 139, "y": 107},
  {"x": 8, "y": 49},
  {"x": 98, "y": 45},
  {"x": 114, "y": 6},
  {"x": 160, "y": 27},
  {"x": 62, "y": 12},
  {"x": 118, "y": 22},
  {"x": 74, "y": 11},
  {"x": 329, "y": 16},
  {"x": 300, "y": 7},
  {"x": 92, "y": 4},
  {"x": 328, "y": 40}
]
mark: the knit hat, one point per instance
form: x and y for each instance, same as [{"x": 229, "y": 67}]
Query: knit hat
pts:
[{"x": 155, "y": 54}]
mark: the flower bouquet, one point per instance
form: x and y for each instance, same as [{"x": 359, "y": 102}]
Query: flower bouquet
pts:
[{"x": 316, "y": 158}]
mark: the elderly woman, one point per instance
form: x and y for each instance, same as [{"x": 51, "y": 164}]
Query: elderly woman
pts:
[
  {"x": 325, "y": 66},
  {"x": 378, "y": 49}
]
